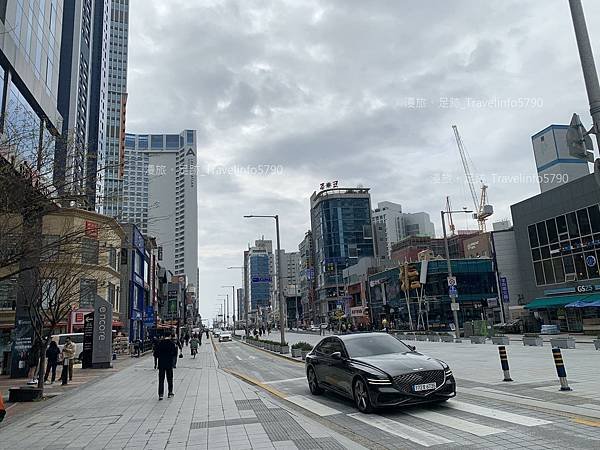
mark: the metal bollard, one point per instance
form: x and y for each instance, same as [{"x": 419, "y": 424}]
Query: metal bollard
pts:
[
  {"x": 504, "y": 362},
  {"x": 560, "y": 369}
]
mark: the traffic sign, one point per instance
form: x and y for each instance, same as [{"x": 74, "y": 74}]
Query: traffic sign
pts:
[
  {"x": 452, "y": 291},
  {"x": 454, "y": 306},
  {"x": 590, "y": 261},
  {"x": 452, "y": 281}
]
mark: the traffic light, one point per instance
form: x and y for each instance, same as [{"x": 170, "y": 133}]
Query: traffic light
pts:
[{"x": 409, "y": 278}]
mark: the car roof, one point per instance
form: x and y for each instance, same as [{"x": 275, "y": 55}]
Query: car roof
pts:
[{"x": 350, "y": 337}]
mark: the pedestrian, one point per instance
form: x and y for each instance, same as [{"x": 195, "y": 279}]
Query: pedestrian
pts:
[
  {"x": 52, "y": 354},
  {"x": 33, "y": 360},
  {"x": 68, "y": 353},
  {"x": 155, "y": 352},
  {"x": 199, "y": 339},
  {"x": 194, "y": 342},
  {"x": 187, "y": 339},
  {"x": 206, "y": 333},
  {"x": 167, "y": 354},
  {"x": 138, "y": 347}
]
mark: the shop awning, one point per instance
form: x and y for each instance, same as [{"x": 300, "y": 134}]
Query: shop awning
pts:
[
  {"x": 562, "y": 301},
  {"x": 582, "y": 304}
]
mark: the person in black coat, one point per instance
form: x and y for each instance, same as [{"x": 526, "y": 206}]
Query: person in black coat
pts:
[
  {"x": 52, "y": 353},
  {"x": 155, "y": 342},
  {"x": 167, "y": 352}
]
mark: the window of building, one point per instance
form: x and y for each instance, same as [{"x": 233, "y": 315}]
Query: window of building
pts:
[
  {"x": 112, "y": 257},
  {"x": 50, "y": 247},
  {"x": 172, "y": 141},
  {"x": 89, "y": 251},
  {"x": 156, "y": 141},
  {"x": 88, "y": 288},
  {"x": 8, "y": 294}
]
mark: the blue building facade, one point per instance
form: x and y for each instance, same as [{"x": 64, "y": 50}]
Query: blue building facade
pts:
[
  {"x": 260, "y": 280},
  {"x": 342, "y": 233},
  {"x": 137, "y": 286}
]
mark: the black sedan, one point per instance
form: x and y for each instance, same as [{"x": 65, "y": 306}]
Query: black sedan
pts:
[{"x": 376, "y": 369}]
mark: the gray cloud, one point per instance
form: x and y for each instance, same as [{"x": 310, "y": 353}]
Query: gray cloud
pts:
[{"x": 359, "y": 91}]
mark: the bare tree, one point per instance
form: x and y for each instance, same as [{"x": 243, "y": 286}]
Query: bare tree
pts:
[{"x": 58, "y": 290}]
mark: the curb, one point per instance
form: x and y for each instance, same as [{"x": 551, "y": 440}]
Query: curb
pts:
[{"x": 288, "y": 358}]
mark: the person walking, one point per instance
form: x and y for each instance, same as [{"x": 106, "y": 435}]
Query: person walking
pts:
[
  {"x": 68, "y": 353},
  {"x": 194, "y": 342},
  {"x": 155, "y": 352},
  {"x": 167, "y": 355},
  {"x": 178, "y": 347},
  {"x": 200, "y": 339},
  {"x": 206, "y": 333},
  {"x": 52, "y": 354},
  {"x": 187, "y": 339}
]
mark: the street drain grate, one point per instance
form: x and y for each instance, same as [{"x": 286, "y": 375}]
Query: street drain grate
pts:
[{"x": 222, "y": 423}]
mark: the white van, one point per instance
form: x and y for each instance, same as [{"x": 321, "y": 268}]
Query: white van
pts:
[{"x": 76, "y": 338}]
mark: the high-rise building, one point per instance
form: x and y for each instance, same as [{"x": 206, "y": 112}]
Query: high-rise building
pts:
[
  {"x": 307, "y": 277},
  {"x": 392, "y": 225},
  {"x": 30, "y": 41},
  {"x": 96, "y": 153},
  {"x": 555, "y": 166},
  {"x": 160, "y": 196},
  {"x": 82, "y": 60},
  {"x": 342, "y": 233},
  {"x": 259, "y": 277},
  {"x": 110, "y": 202}
]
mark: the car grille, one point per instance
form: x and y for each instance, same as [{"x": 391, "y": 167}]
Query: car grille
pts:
[{"x": 406, "y": 382}]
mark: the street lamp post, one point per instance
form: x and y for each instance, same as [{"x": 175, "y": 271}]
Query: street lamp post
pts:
[
  {"x": 452, "y": 297},
  {"x": 225, "y": 308},
  {"x": 232, "y": 302},
  {"x": 244, "y": 299},
  {"x": 279, "y": 289},
  {"x": 588, "y": 66}
]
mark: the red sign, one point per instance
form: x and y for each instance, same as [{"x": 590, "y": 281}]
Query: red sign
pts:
[{"x": 91, "y": 229}]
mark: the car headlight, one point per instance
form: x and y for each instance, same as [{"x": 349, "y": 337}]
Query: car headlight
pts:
[
  {"x": 379, "y": 381},
  {"x": 448, "y": 372}
]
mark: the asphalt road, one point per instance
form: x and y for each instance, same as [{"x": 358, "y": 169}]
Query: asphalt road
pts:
[{"x": 483, "y": 415}]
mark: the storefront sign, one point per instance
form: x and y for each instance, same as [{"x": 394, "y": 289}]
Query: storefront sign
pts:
[
  {"x": 88, "y": 341},
  {"x": 357, "y": 311},
  {"x": 586, "y": 288},
  {"x": 102, "y": 344},
  {"x": 91, "y": 229},
  {"x": 590, "y": 261},
  {"x": 504, "y": 289}
]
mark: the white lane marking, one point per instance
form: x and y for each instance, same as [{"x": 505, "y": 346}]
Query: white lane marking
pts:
[
  {"x": 238, "y": 357},
  {"x": 288, "y": 380},
  {"x": 496, "y": 414},
  {"x": 399, "y": 429},
  {"x": 455, "y": 422},
  {"x": 542, "y": 404},
  {"x": 318, "y": 408}
]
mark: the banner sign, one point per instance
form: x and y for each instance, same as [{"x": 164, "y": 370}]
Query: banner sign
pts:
[{"x": 102, "y": 334}]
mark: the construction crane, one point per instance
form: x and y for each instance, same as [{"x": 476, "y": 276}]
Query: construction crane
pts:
[
  {"x": 451, "y": 226},
  {"x": 481, "y": 208}
]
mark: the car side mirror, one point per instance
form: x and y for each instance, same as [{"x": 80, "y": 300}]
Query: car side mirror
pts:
[{"x": 336, "y": 355}]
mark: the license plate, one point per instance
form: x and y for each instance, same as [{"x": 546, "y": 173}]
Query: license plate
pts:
[{"x": 424, "y": 387}]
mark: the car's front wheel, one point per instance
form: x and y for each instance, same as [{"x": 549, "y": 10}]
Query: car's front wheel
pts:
[
  {"x": 313, "y": 383},
  {"x": 361, "y": 397}
]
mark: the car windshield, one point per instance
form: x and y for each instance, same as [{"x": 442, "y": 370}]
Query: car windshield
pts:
[{"x": 378, "y": 344}]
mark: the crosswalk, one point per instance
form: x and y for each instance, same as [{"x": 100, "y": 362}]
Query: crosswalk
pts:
[{"x": 428, "y": 429}]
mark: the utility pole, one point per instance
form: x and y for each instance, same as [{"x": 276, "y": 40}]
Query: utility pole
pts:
[{"x": 588, "y": 65}]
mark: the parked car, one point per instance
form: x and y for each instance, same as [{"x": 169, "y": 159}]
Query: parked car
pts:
[
  {"x": 376, "y": 369},
  {"x": 314, "y": 328},
  {"x": 76, "y": 338},
  {"x": 216, "y": 332},
  {"x": 225, "y": 336}
]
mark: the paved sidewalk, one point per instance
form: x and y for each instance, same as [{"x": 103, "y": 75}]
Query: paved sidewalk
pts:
[
  {"x": 211, "y": 410},
  {"x": 81, "y": 377}
]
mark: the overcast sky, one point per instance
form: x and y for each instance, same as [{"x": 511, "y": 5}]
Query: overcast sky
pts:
[{"x": 287, "y": 94}]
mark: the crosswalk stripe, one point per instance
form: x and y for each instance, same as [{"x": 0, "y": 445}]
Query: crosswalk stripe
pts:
[
  {"x": 454, "y": 422},
  {"x": 315, "y": 407},
  {"x": 496, "y": 414},
  {"x": 401, "y": 430},
  {"x": 570, "y": 409}
]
